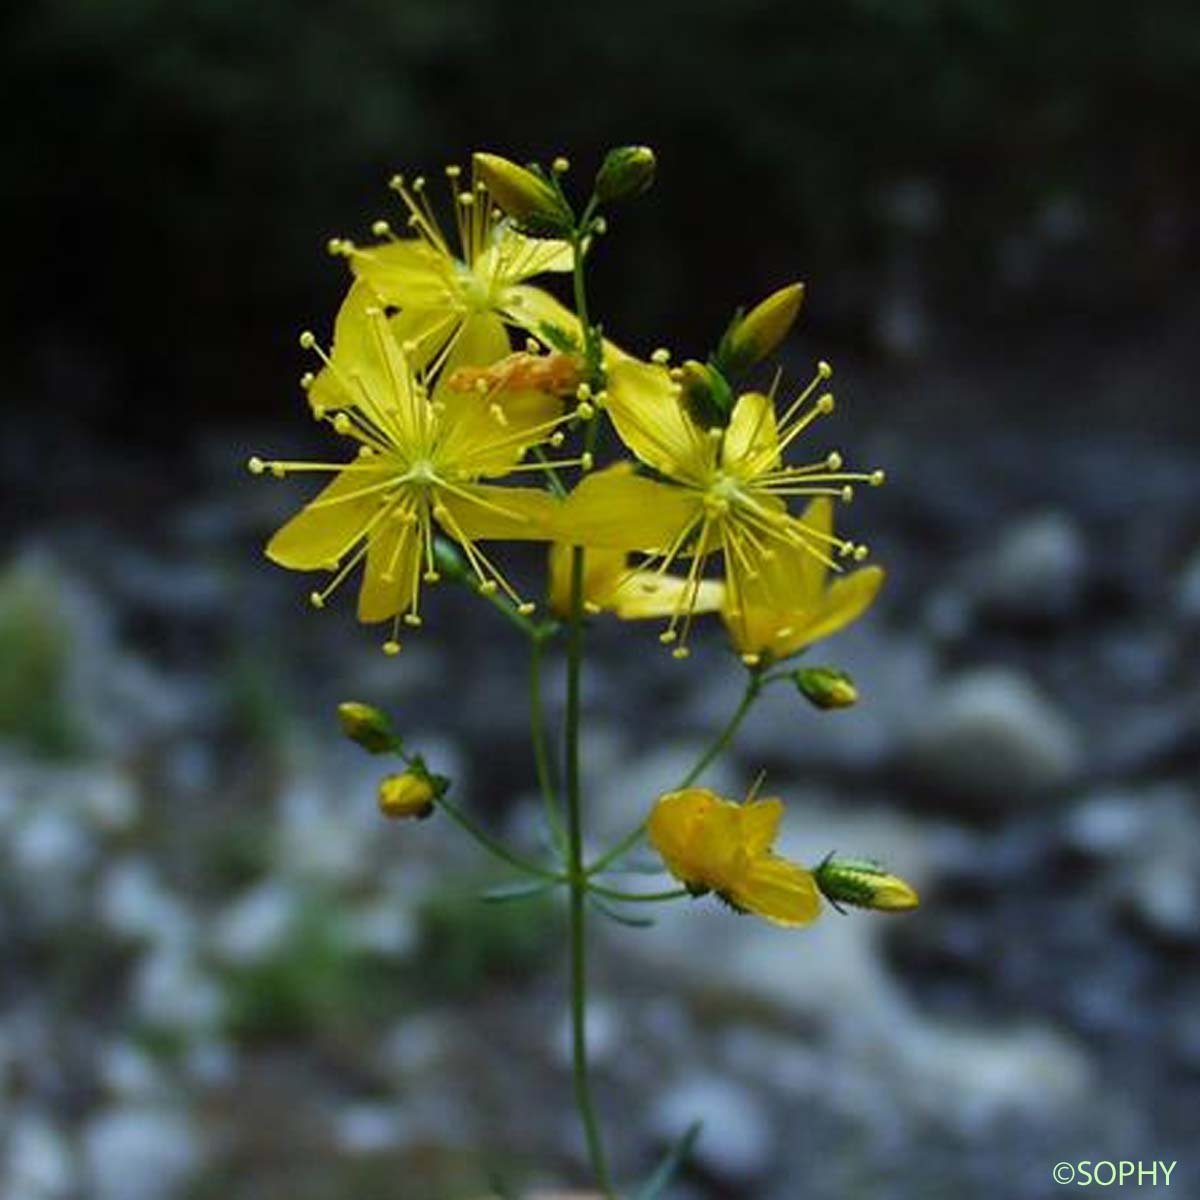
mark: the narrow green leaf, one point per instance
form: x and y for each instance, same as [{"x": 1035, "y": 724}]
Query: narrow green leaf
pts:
[
  {"x": 672, "y": 1161},
  {"x": 621, "y": 918},
  {"x": 523, "y": 890}
]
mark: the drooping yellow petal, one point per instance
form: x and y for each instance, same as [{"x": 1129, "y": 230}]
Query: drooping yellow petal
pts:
[
  {"x": 643, "y": 402},
  {"x": 617, "y": 509},
  {"x": 751, "y": 443},
  {"x": 326, "y": 528},
  {"x": 481, "y": 511},
  {"x": 781, "y": 891},
  {"x": 392, "y": 571}
]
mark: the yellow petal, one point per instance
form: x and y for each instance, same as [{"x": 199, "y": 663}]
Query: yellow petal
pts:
[
  {"x": 781, "y": 891},
  {"x": 409, "y": 273},
  {"x": 643, "y": 402},
  {"x": 617, "y": 509},
  {"x": 759, "y": 820},
  {"x": 672, "y": 828},
  {"x": 752, "y": 441},
  {"x": 392, "y": 569},
  {"x": 478, "y": 511},
  {"x": 423, "y": 332},
  {"x": 483, "y": 434},
  {"x": 846, "y": 600},
  {"x": 602, "y": 571},
  {"x": 321, "y": 532},
  {"x": 513, "y": 257},
  {"x": 648, "y": 594}
]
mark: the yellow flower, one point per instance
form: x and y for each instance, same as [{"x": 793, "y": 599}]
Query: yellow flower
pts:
[
  {"x": 711, "y": 844},
  {"x": 417, "y": 469},
  {"x": 609, "y": 585},
  {"x": 408, "y": 795},
  {"x": 721, "y": 490},
  {"x": 791, "y": 603},
  {"x": 470, "y": 286}
]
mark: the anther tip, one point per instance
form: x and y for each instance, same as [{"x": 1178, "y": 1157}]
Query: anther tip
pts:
[
  {"x": 878, "y": 478},
  {"x": 561, "y": 165},
  {"x": 527, "y": 608},
  {"x": 825, "y": 402},
  {"x": 381, "y": 229},
  {"x": 824, "y": 370},
  {"x": 667, "y": 636},
  {"x": 307, "y": 340},
  {"x": 316, "y": 599},
  {"x": 681, "y": 652},
  {"x": 391, "y": 648},
  {"x": 413, "y": 620},
  {"x": 661, "y": 356},
  {"x": 255, "y": 465}
]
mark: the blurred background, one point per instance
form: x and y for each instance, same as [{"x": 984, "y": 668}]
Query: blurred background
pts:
[{"x": 224, "y": 977}]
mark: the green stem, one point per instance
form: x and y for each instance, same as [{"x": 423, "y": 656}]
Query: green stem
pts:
[
  {"x": 578, "y": 883},
  {"x": 541, "y": 756},
  {"x": 754, "y": 685},
  {"x": 500, "y": 850},
  {"x": 577, "y": 879}
]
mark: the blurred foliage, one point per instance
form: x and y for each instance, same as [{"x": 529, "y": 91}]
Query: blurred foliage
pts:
[
  {"x": 174, "y": 168},
  {"x": 465, "y": 943},
  {"x": 316, "y": 981},
  {"x": 35, "y": 647}
]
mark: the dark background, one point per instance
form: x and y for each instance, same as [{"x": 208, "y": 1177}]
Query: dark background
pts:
[{"x": 994, "y": 206}]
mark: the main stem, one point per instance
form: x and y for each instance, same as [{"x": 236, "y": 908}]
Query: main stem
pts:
[{"x": 577, "y": 880}]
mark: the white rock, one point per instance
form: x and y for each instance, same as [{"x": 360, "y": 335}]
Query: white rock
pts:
[
  {"x": 1037, "y": 570},
  {"x": 603, "y": 1027},
  {"x": 736, "y": 1142},
  {"x": 133, "y": 903},
  {"x": 129, "y": 1073},
  {"x": 417, "y": 1045},
  {"x": 382, "y": 927},
  {"x": 990, "y": 738},
  {"x": 139, "y": 1153},
  {"x": 39, "y": 1163},
  {"x": 257, "y": 924},
  {"x": 171, "y": 992},
  {"x": 1187, "y": 593},
  {"x": 369, "y": 1128}
]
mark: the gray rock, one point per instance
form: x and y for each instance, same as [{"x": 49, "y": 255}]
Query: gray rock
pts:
[
  {"x": 737, "y": 1140},
  {"x": 139, "y": 1153},
  {"x": 1036, "y": 571},
  {"x": 991, "y": 739}
]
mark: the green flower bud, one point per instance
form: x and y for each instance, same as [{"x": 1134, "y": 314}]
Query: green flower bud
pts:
[
  {"x": 448, "y": 562},
  {"x": 706, "y": 395},
  {"x": 626, "y": 172},
  {"x": 367, "y": 726},
  {"x": 534, "y": 206},
  {"x": 864, "y": 884},
  {"x": 405, "y": 796},
  {"x": 826, "y": 687},
  {"x": 757, "y": 334}
]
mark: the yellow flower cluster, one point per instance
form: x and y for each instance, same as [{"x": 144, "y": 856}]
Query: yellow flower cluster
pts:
[{"x": 451, "y": 375}]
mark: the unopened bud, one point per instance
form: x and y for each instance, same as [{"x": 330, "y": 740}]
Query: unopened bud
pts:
[
  {"x": 410, "y": 795},
  {"x": 705, "y": 394},
  {"x": 534, "y": 205},
  {"x": 367, "y": 726},
  {"x": 826, "y": 687},
  {"x": 756, "y": 335},
  {"x": 862, "y": 883},
  {"x": 626, "y": 172},
  {"x": 449, "y": 562}
]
